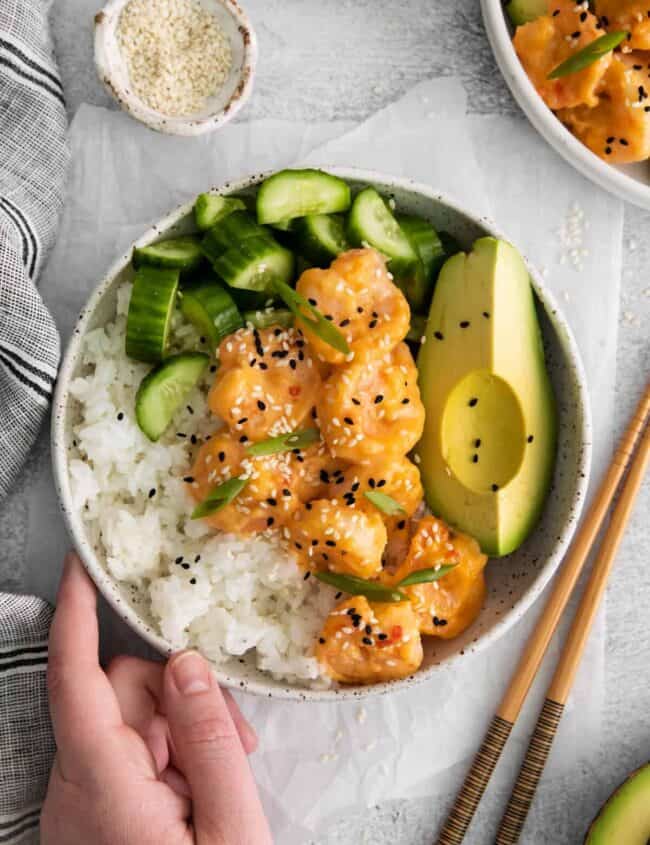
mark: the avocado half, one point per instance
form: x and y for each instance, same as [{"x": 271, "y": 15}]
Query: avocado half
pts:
[
  {"x": 625, "y": 818},
  {"x": 488, "y": 448}
]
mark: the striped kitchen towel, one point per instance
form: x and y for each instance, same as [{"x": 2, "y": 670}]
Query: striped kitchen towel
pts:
[{"x": 33, "y": 159}]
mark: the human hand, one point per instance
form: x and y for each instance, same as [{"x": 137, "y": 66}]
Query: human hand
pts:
[{"x": 146, "y": 754}]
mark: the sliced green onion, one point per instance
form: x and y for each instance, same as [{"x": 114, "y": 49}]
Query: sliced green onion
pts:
[
  {"x": 219, "y": 497},
  {"x": 360, "y": 587},
  {"x": 589, "y": 54},
  {"x": 386, "y": 504},
  {"x": 426, "y": 576},
  {"x": 321, "y": 327},
  {"x": 285, "y": 442}
]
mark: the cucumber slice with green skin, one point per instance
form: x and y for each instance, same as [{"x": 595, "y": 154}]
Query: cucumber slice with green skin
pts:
[
  {"x": 212, "y": 310},
  {"x": 150, "y": 312},
  {"x": 523, "y": 11},
  {"x": 450, "y": 245},
  {"x": 165, "y": 389},
  {"x": 296, "y": 193},
  {"x": 424, "y": 239},
  {"x": 255, "y": 264},
  {"x": 269, "y": 317},
  {"x": 371, "y": 223},
  {"x": 320, "y": 238},
  {"x": 229, "y": 231},
  {"x": 210, "y": 208},
  {"x": 417, "y": 328},
  {"x": 251, "y": 300},
  {"x": 182, "y": 253}
]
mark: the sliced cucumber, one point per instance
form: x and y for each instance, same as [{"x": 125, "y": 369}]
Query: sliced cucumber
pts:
[
  {"x": 296, "y": 193},
  {"x": 269, "y": 317},
  {"x": 150, "y": 311},
  {"x": 255, "y": 264},
  {"x": 252, "y": 300},
  {"x": 229, "y": 231},
  {"x": 164, "y": 390},
  {"x": 182, "y": 253},
  {"x": 212, "y": 310},
  {"x": 424, "y": 239},
  {"x": 371, "y": 223},
  {"x": 320, "y": 238},
  {"x": 210, "y": 208},
  {"x": 523, "y": 11},
  {"x": 450, "y": 244}
]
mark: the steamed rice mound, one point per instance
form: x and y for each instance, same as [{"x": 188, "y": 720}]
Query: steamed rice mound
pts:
[{"x": 223, "y": 594}]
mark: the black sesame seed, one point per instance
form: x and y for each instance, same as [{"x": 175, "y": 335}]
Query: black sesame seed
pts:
[
  {"x": 556, "y": 13},
  {"x": 610, "y": 140},
  {"x": 298, "y": 546},
  {"x": 222, "y": 456},
  {"x": 355, "y": 486},
  {"x": 405, "y": 401},
  {"x": 192, "y": 581},
  {"x": 185, "y": 565},
  {"x": 382, "y": 636},
  {"x": 372, "y": 324},
  {"x": 286, "y": 492},
  {"x": 120, "y": 416},
  {"x": 271, "y": 501},
  {"x": 379, "y": 398},
  {"x": 314, "y": 542},
  {"x": 193, "y": 440},
  {"x": 179, "y": 560},
  {"x": 293, "y": 364},
  {"x": 152, "y": 492},
  {"x": 473, "y": 401},
  {"x": 486, "y": 314},
  {"x": 261, "y": 405},
  {"x": 623, "y": 142},
  {"x": 381, "y": 483},
  {"x": 355, "y": 401},
  {"x": 188, "y": 479},
  {"x": 344, "y": 323},
  {"x": 263, "y": 366},
  {"x": 242, "y": 421},
  {"x": 583, "y": 17},
  {"x": 530, "y": 438},
  {"x": 338, "y": 595},
  {"x": 180, "y": 434},
  {"x": 351, "y": 611},
  {"x": 368, "y": 629},
  {"x": 348, "y": 420},
  {"x": 306, "y": 576},
  {"x": 477, "y": 442},
  {"x": 608, "y": 151},
  {"x": 464, "y": 324},
  {"x": 575, "y": 34},
  {"x": 269, "y": 521},
  {"x": 438, "y": 335},
  {"x": 243, "y": 438},
  {"x": 494, "y": 488},
  {"x": 213, "y": 368},
  {"x": 359, "y": 309},
  {"x": 308, "y": 506},
  {"x": 321, "y": 641},
  {"x": 190, "y": 409},
  {"x": 324, "y": 476},
  {"x": 372, "y": 483},
  {"x": 401, "y": 524},
  {"x": 197, "y": 558},
  {"x": 475, "y": 458},
  {"x": 366, "y": 641},
  {"x": 330, "y": 543}
]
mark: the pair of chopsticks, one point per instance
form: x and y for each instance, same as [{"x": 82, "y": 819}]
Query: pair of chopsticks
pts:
[{"x": 488, "y": 755}]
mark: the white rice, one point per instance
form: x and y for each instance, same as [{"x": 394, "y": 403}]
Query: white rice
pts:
[{"x": 244, "y": 595}]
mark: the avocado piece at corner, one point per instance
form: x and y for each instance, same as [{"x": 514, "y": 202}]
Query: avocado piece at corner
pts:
[
  {"x": 523, "y": 11},
  {"x": 625, "y": 818},
  {"x": 488, "y": 448}
]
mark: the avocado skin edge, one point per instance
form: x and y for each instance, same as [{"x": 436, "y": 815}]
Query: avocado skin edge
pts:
[{"x": 593, "y": 834}]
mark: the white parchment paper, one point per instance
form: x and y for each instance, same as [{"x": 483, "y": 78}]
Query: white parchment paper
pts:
[{"x": 316, "y": 761}]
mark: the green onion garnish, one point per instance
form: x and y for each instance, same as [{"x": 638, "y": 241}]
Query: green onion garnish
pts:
[
  {"x": 321, "y": 327},
  {"x": 589, "y": 54},
  {"x": 219, "y": 497},
  {"x": 386, "y": 504},
  {"x": 285, "y": 442},
  {"x": 426, "y": 576},
  {"x": 360, "y": 587}
]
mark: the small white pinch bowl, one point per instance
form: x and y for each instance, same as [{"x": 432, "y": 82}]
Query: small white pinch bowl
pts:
[
  {"x": 220, "y": 107},
  {"x": 514, "y": 582},
  {"x": 630, "y": 182}
]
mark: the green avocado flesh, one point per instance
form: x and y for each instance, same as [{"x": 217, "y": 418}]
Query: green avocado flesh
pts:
[
  {"x": 625, "y": 818},
  {"x": 488, "y": 447},
  {"x": 523, "y": 11}
]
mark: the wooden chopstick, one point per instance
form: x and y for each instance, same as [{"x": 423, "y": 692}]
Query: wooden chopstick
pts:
[
  {"x": 523, "y": 792},
  {"x": 497, "y": 735}
]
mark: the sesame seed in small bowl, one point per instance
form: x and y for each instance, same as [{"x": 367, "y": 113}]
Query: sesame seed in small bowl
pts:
[{"x": 183, "y": 67}]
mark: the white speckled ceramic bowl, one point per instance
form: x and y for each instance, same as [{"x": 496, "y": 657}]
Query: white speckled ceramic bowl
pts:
[
  {"x": 630, "y": 182},
  {"x": 220, "y": 107},
  {"x": 513, "y": 582}
]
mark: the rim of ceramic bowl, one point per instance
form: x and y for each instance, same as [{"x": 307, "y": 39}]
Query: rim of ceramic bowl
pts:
[
  {"x": 107, "y": 585},
  {"x": 105, "y": 22},
  {"x": 605, "y": 175}
]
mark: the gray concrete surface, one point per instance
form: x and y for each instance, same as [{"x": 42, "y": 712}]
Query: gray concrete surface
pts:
[{"x": 325, "y": 59}]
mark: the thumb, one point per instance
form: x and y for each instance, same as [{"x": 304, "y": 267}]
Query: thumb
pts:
[{"x": 226, "y": 806}]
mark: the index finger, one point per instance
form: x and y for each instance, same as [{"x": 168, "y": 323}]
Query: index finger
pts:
[{"x": 82, "y": 703}]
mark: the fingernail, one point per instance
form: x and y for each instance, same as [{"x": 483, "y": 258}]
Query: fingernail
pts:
[{"x": 191, "y": 673}]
